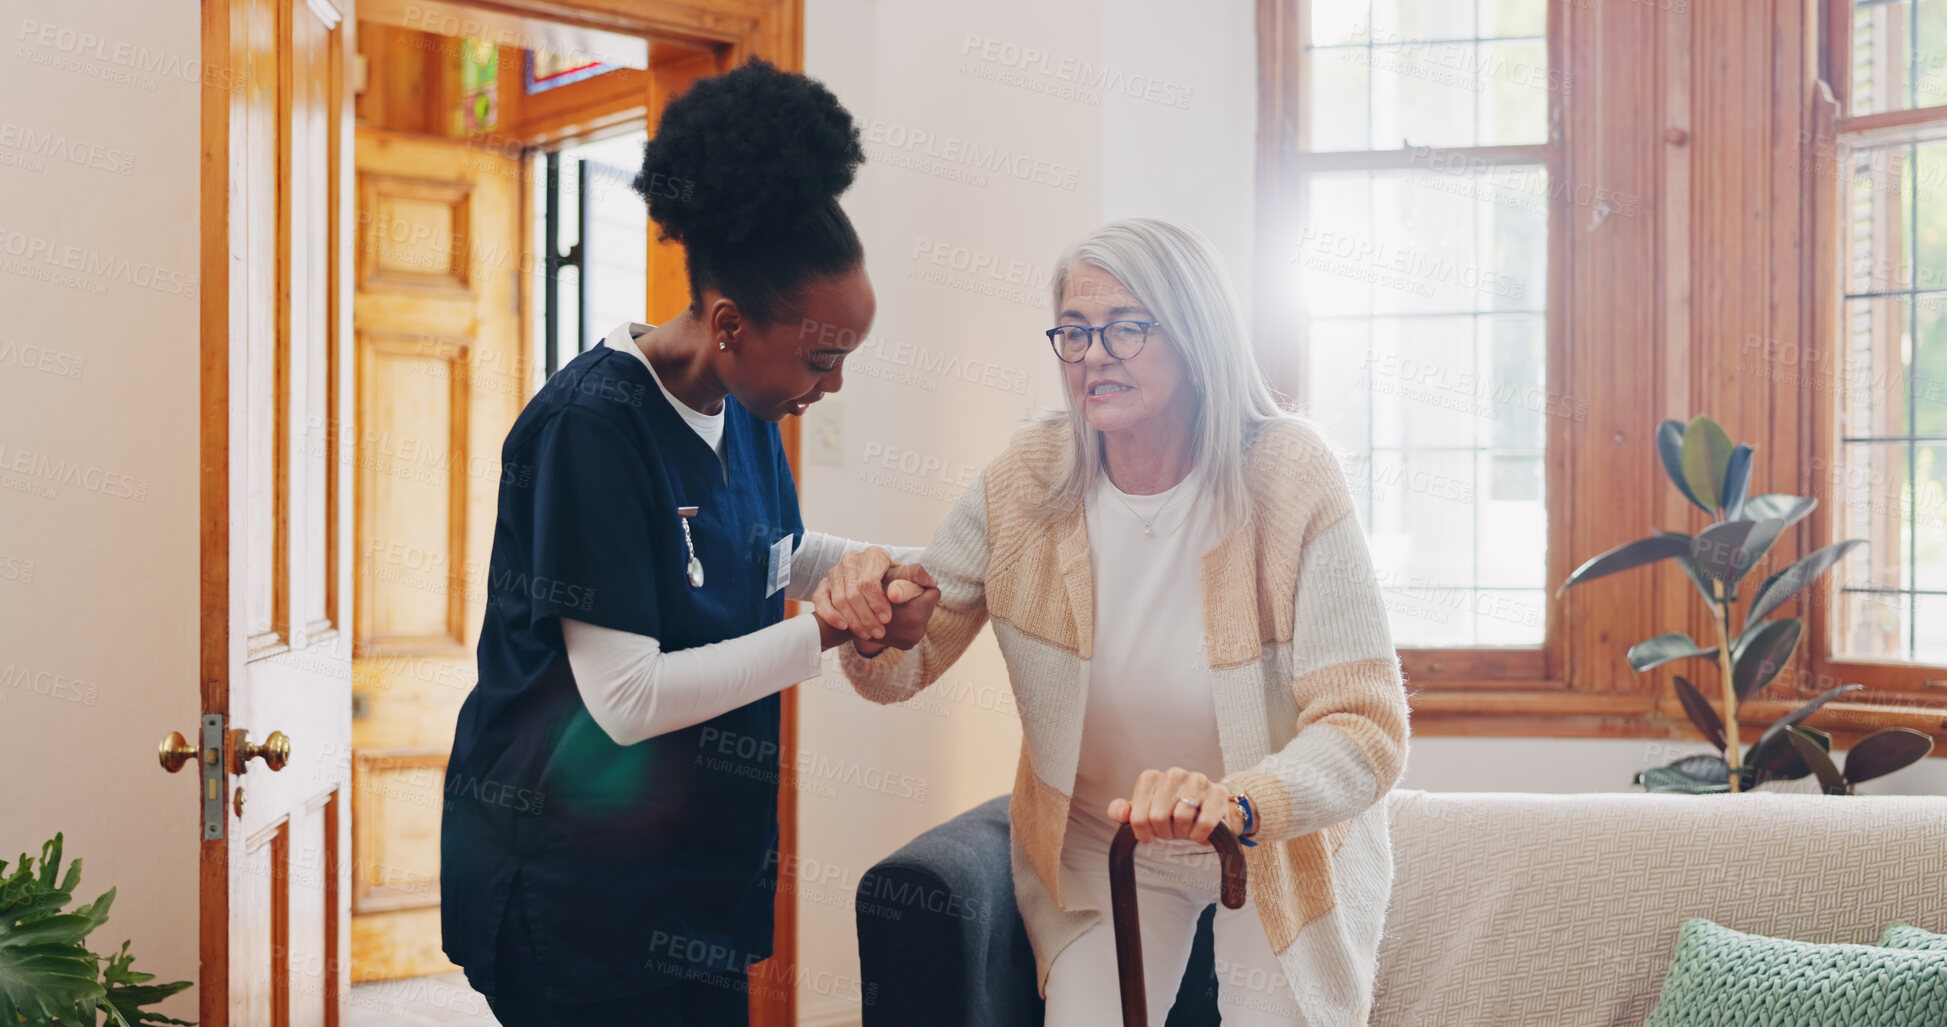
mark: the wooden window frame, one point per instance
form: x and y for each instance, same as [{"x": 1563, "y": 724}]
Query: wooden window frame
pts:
[
  {"x": 1893, "y": 686},
  {"x": 1642, "y": 326},
  {"x": 1283, "y": 164}
]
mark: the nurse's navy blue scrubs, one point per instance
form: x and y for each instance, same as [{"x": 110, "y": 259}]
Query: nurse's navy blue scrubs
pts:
[{"x": 626, "y": 869}]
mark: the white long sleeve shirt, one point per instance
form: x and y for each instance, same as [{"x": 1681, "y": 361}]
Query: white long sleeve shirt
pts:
[{"x": 635, "y": 691}]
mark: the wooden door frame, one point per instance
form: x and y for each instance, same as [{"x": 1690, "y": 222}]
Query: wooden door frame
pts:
[{"x": 736, "y": 29}]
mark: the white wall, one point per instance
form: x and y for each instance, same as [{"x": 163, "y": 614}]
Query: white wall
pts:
[
  {"x": 960, "y": 254},
  {"x": 99, "y": 148}
]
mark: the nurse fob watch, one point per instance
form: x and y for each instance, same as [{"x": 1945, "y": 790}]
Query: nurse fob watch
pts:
[{"x": 695, "y": 565}]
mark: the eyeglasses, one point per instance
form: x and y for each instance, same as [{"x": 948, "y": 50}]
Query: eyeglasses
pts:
[{"x": 1123, "y": 339}]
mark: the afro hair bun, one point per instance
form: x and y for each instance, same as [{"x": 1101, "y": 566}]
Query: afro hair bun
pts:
[{"x": 748, "y": 153}]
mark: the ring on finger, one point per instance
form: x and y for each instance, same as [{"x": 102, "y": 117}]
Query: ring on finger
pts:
[{"x": 1192, "y": 803}]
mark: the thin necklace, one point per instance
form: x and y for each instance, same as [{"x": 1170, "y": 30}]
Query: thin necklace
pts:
[{"x": 1146, "y": 521}]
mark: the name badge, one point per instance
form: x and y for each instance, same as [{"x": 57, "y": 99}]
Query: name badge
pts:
[{"x": 780, "y": 565}]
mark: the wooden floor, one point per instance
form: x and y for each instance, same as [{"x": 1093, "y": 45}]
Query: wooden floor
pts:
[{"x": 418, "y": 1002}]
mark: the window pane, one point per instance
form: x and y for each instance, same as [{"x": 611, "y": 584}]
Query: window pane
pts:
[
  {"x": 1872, "y": 625},
  {"x": 1512, "y": 18},
  {"x": 1512, "y": 517},
  {"x": 1334, "y": 23},
  {"x": 1422, "y": 506},
  {"x": 1424, "y": 94},
  {"x": 1874, "y": 368},
  {"x": 1889, "y": 379},
  {"x": 1334, "y": 260},
  {"x": 1514, "y": 392},
  {"x": 1423, "y": 378},
  {"x": 1879, "y": 220},
  {"x": 1928, "y": 387},
  {"x": 1423, "y": 247},
  {"x": 1872, "y": 504},
  {"x": 1514, "y": 84},
  {"x": 1425, "y": 297},
  {"x": 1442, "y": 373},
  {"x": 1427, "y": 73},
  {"x": 1928, "y": 519},
  {"x": 1340, "y": 382},
  {"x": 1899, "y": 54},
  {"x": 1339, "y": 105},
  {"x": 1929, "y": 625},
  {"x": 1927, "y": 197},
  {"x": 1419, "y": 20}
]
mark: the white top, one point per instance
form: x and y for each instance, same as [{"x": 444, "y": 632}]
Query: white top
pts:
[
  {"x": 1149, "y": 704},
  {"x": 635, "y": 691},
  {"x": 708, "y": 427}
]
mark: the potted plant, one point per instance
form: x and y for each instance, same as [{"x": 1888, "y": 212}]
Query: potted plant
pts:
[
  {"x": 47, "y": 974},
  {"x": 1714, "y": 474}
]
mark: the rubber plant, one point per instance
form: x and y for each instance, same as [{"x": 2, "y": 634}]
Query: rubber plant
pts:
[
  {"x": 1715, "y": 475},
  {"x": 48, "y": 975}
]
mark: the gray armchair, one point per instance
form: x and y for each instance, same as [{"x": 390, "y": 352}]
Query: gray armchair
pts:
[{"x": 941, "y": 942}]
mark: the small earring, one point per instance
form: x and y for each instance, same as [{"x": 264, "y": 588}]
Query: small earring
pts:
[{"x": 722, "y": 345}]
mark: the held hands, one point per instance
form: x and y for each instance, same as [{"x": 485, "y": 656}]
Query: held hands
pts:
[
  {"x": 881, "y": 604},
  {"x": 1156, "y": 812}
]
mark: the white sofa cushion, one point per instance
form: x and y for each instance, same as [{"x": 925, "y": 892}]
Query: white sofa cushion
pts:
[{"x": 1512, "y": 908}]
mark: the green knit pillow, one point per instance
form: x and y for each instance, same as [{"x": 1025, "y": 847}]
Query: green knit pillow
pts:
[
  {"x": 1726, "y": 978},
  {"x": 1900, "y": 935}
]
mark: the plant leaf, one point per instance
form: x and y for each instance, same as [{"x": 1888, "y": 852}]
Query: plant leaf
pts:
[
  {"x": 1737, "y": 482},
  {"x": 1702, "y": 581},
  {"x": 1694, "y": 775},
  {"x": 1758, "y": 543},
  {"x": 1655, "y": 652},
  {"x": 1778, "y": 760},
  {"x": 129, "y": 990},
  {"x": 1669, "y": 446},
  {"x": 1700, "y": 712},
  {"x": 1829, "y": 777},
  {"x": 1798, "y": 715},
  {"x": 1716, "y": 549},
  {"x": 1885, "y": 751},
  {"x": 1763, "y": 655},
  {"x": 45, "y": 972},
  {"x": 1706, "y": 458},
  {"x": 1626, "y": 556},
  {"x": 1786, "y": 583},
  {"x": 1784, "y": 506}
]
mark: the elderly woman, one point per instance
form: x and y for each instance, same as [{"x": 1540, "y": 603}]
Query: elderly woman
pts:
[{"x": 1189, "y": 617}]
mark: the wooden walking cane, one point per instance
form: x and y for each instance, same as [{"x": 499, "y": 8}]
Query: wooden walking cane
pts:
[{"x": 1122, "y": 906}]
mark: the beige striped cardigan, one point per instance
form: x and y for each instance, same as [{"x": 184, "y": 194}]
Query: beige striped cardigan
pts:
[{"x": 1311, "y": 711}]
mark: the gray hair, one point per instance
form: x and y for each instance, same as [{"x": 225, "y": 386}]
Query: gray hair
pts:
[{"x": 1176, "y": 272}]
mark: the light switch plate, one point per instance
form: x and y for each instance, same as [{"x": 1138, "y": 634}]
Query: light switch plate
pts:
[{"x": 824, "y": 434}]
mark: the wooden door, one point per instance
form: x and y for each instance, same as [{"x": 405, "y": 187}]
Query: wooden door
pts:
[
  {"x": 441, "y": 375},
  {"x": 275, "y": 650}
]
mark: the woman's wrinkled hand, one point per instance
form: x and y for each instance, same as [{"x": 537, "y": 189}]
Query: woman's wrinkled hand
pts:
[
  {"x": 853, "y": 595},
  {"x": 1156, "y": 812},
  {"x": 864, "y": 593}
]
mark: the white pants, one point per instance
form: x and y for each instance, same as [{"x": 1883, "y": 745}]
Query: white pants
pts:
[{"x": 1174, "y": 882}]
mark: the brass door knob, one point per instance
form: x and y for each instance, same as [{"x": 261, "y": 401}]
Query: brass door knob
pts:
[
  {"x": 275, "y": 750},
  {"x": 174, "y": 751}
]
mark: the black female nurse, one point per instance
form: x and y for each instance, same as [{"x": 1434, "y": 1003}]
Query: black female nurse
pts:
[{"x": 608, "y": 848}]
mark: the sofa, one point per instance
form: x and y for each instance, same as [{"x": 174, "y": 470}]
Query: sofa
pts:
[{"x": 1507, "y": 908}]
